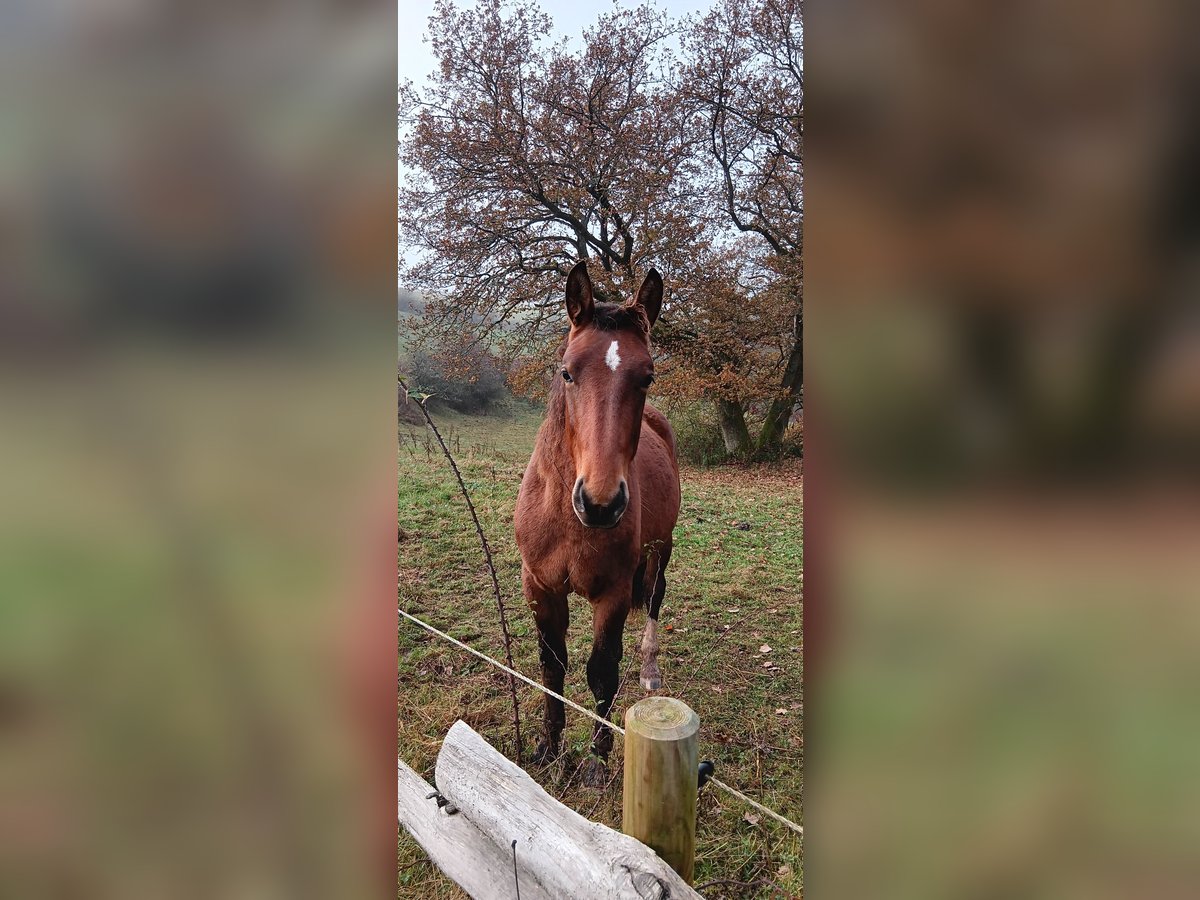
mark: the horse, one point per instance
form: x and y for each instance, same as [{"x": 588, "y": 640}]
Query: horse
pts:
[{"x": 598, "y": 502}]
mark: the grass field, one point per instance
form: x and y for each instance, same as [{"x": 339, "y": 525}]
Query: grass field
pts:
[{"x": 731, "y": 637}]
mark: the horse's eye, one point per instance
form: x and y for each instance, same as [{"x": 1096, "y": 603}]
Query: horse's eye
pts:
[
  {"x": 566, "y": 375},
  {"x": 649, "y": 381}
]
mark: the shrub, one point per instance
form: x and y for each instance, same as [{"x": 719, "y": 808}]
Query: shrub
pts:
[
  {"x": 698, "y": 438},
  {"x": 791, "y": 445},
  {"x": 472, "y": 384},
  {"x": 697, "y": 435}
]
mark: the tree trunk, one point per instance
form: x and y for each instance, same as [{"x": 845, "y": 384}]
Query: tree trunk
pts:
[
  {"x": 732, "y": 420},
  {"x": 780, "y": 411},
  {"x": 1106, "y": 423}
]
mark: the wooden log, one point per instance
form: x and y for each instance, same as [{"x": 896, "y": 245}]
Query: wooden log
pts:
[
  {"x": 561, "y": 851},
  {"x": 470, "y": 858},
  {"x": 661, "y": 771}
]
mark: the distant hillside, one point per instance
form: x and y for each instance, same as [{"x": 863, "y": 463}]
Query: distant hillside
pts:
[{"x": 408, "y": 301}]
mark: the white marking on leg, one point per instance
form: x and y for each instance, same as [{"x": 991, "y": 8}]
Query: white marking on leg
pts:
[
  {"x": 650, "y": 637},
  {"x": 613, "y": 358},
  {"x": 650, "y": 679}
]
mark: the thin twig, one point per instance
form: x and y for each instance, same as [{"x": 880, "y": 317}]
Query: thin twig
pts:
[{"x": 487, "y": 552}]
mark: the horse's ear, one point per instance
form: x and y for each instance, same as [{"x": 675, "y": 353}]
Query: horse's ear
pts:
[
  {"x": 580, "y": 304},
  {"x": 649, "y": 296}
]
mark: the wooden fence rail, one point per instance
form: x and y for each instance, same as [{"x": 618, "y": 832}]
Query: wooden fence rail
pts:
[{"x": 559, "y": 853}]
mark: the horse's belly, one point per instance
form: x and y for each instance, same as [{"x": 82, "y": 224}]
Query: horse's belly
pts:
[{"x": 658, "y": 481}]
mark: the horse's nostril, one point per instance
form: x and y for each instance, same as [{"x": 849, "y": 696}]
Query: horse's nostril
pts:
[{"x": 599, "y": 515}]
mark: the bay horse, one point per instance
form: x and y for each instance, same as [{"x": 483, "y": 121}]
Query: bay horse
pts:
[{"x": 598, "y": 501}]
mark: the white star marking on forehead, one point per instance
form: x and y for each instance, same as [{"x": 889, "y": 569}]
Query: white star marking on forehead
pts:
[{"x": 613, "y": 358}]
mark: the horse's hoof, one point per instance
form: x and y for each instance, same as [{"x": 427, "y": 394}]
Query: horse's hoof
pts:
[
  {"x": 546, "y": 752},
  {"x": 594, "y": 772},
  {"x": 651, "y": 681}
]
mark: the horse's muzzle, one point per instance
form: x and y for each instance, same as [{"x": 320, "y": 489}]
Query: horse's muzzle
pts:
[{"x": 599, "y": 515}]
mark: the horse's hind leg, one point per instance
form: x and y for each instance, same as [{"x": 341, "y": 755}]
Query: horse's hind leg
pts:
[
  {"x": 550, "y": 612},
  {"x": 603, "y": 672},
  {"x": 651, "y": 678},
  {"x": 639, "y": 585}
]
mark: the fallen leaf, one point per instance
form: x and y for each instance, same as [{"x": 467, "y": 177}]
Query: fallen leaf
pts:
[
  {"x": 765, "y": 648},
  {"x": 751, "y": 818},
  {"x": 768, "y": 665},
  {"x": 782, "y": 712},
  {"x": 784, "y": 871}
]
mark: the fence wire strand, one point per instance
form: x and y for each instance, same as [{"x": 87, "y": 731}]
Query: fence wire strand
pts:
[
  {"x": 716, "y": 782},
  {"x": 499, "y": 665}
]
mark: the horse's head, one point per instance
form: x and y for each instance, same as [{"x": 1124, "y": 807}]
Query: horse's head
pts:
[{"x": 607, "y": 369}]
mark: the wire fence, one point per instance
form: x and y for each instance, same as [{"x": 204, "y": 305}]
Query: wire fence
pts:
[{"x": 713, "y": 780}]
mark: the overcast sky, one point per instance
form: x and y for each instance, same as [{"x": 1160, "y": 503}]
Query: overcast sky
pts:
[{"x": 415, "y": 61}]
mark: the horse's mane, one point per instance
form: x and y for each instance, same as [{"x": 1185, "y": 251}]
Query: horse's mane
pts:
[
  {"x": 615, "y": 316},
  {"x": 550, "y": 444}
]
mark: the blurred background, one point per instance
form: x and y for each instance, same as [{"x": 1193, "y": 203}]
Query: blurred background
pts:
[
  {"x": 197, "y": 284},
  {"x": 197, "y": 287},
  {"x": 1004, "y": 423}
]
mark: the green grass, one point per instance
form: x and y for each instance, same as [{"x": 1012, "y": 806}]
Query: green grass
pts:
[{"x": 730, "y": 590}]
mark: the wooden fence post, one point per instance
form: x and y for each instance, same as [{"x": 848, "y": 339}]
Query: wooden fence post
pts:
[{"x": 661, "y": 761}]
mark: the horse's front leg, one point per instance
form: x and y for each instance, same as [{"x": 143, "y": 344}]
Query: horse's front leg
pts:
[
  {"x": 550, "y": 612},
  {"x": 604, "y": 673}
]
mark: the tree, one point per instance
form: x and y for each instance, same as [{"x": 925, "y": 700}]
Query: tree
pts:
[
  {"x": 729, "y": 347},
  {"x": 531, "y": 158},
  {"x": 468, "y": 381},
  {"x": 745, "y": 83},
  {"x": 528, "y": 156}
]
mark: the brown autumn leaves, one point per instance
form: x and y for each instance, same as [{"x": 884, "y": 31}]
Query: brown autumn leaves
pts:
[{"x": 652, "y": 142}]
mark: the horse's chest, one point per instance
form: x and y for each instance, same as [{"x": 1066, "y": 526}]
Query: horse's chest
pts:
[
  {"x": 594, "y": 573},
  {"x": 560, "y": 551}
]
